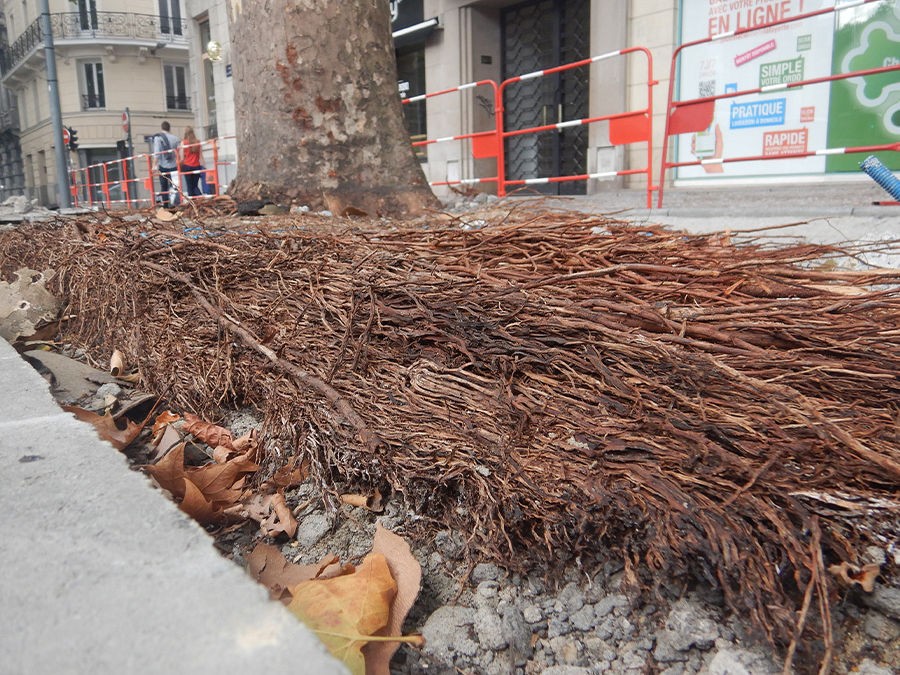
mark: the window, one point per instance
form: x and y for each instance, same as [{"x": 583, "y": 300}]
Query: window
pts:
[
  {"x": 176, "y": 92},
  {"x": 87, "y": 14},
  {"x": 208, "y": 91},
  {"x": 170, "y": 17},
  {"x": 411, "y": 81},
  {"x": 94, "y": 95}
]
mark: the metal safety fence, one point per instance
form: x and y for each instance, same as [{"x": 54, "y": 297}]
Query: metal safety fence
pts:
[
  {"x": 136, "y": 181},
  {"x": 625, "y": 128}
]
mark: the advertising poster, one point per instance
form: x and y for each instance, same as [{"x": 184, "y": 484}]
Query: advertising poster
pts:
[
  {"x": 865, "y": 111},
  {"x": 785, "y": 121}
]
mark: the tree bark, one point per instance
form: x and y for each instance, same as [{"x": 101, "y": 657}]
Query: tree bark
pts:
[{"x": 318, "y": 115}]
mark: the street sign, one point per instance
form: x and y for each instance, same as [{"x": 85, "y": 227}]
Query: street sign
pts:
[
  {"x": 126, "y": 121},
  {"x": 66, "y": 137}
]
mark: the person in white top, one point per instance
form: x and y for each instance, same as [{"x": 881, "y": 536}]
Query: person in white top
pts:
[{"x": 165, "y": 145}]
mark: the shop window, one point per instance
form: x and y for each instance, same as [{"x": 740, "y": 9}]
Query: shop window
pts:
[
  {"x": 411, "y": 82},
  {"x": 176, "y": 89}
]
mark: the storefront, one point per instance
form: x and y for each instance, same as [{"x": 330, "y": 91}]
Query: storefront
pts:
[{"x": 410, "y": 33}]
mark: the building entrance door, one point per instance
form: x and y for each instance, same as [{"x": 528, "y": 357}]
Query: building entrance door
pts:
[{"x": 540, "y": 34}]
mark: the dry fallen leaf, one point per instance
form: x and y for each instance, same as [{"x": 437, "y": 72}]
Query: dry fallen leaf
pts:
[
  {"x": 165, "y": 216},
  {"x": 169, "y": 471},
  {"x": 273, "y": 514},
  {"x": 347, "y": 611},
  {"x": 407, "y": 574},
  {"x": 162, "y": 421},
  {"x": 168, "y": 439},
  {"x": 106, "y": 427},
  {"x": 373, "y": 502},
  {"x": 117, "y": 363},
  {"x": 218, "y": 482},
  {"x": 198, "y": 507},
  {"x": 221, "y": 454},
  {"x": 269, "y": 567},
  {"x": 851, "y": 574},
  {"x": 293, "y": 473},
  {"x": 211, "y": 434}
]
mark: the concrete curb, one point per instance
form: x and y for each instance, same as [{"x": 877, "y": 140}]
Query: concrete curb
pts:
[{"x": 103, "y": 574}]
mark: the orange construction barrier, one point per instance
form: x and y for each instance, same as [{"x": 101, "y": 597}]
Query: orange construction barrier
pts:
[{"x": 624, "y": 128}]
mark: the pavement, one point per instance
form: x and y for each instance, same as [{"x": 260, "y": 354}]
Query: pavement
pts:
[
  {"x": 822, "y": 213},
  {"x": 102, "y": 574}
]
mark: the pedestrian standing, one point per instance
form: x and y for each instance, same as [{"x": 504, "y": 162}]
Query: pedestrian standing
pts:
[
  {"x": 165, "y": 146},
  {"x": 191, "y": 161}
]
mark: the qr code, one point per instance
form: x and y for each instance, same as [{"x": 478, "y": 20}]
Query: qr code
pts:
[{"x": 707, "y": 88}]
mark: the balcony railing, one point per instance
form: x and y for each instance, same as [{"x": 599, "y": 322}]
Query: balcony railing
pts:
[
  {"x": 79, "y": 26},
  {"x": 91, "y": 101}
]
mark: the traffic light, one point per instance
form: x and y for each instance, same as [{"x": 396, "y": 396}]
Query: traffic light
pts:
[{"x": 73, "y": 139}]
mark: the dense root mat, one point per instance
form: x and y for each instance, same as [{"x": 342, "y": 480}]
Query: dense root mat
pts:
[{"x": 554, "y": 385}]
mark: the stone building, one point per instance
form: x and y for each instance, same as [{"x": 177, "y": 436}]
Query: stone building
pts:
[
  {"x": 111, "y": 55},
  {"x": 152, "y": 58}
]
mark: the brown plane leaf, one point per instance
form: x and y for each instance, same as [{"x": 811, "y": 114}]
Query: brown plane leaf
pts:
[
  {"x": 211, "y": 434},
  {"x": 165, "y": 216},
  {"x": 851, "y": 574},
  {"x": 167, "y": 440},
  {"x": 198, "y": 506},
  {"x": 117, "y": 363},
  {"x": 269, "y": 567},
  {"x": 407, "y": 574},
  {"x": 218, "y": 482},
  {"x": 162, "y": 421},
  {"x": 169, "y": 471},
  {"x": 272, "y": 513},
  {"x": 293, "y": 473},
  {"x": 106, "y": 427},
  {"x": 346, "y": 612}
]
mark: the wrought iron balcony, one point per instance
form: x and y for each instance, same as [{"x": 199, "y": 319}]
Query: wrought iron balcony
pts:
[
  {"x": 95, "y": 26},
  {"x": 92, "y": 101}
]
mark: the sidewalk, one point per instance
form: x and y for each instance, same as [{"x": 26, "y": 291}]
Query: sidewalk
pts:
[
  {"x": 821, "y": 213},
  {"x": 102, "y": 574}
]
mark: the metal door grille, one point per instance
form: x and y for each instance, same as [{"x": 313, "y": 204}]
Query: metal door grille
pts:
[{"x": 541, "y": 34}]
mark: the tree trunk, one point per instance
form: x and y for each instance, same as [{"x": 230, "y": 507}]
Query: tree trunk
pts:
[{"x": 319, "y": 120}]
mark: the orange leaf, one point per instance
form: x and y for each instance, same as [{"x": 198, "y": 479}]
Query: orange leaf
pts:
[
  {"x": 291, "y": 474},
  {"x": 269, "y": 567},
  {"x": 851, "y": 574},
  {"x": 373, "y": 502},
  {"x": 117, "y": 363},
  {"x": 209, "y": 433},
  {"x": 163, "y": 420},
  {"x": 169, "y": 471},
  {"x": 217, "y": 481},
  {"x": 407, "y": 574},
  {"x": 106, "y": 427},
  {"x": 198, "y": 507},
  {"x": 347, "y": 611},
  {"x": 272, "y": 514}
]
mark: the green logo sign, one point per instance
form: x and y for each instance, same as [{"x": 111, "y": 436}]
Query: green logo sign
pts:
[
  {"x": 804, "y": 43},
  {"x": 781, "y": 72}
]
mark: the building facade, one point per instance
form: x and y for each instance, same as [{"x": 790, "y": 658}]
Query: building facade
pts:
[
  {"x": 12, "y": 175},
  {"x": 152, "y": 57},
  {"x": 111, "y": 55}
]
